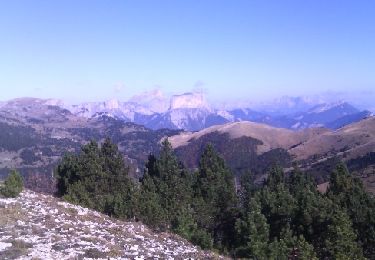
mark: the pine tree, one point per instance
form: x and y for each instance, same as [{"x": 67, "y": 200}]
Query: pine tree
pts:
[
  {"x": 246, "y": 190},
  {"x": 13, "y": 185},
  {"x": 341, "y": 239},
  {"x": 278, "y": 204},
  {"x": 348, "y": 192},
  {"x": 215, "y": 200},
  {"x": 151, "y": 211},
  {"x": 253, "y": 233},
  {"x": 97, "y": 178},
  {"x": 166, "y": 192},
  {"x": 290, "y": 247}
]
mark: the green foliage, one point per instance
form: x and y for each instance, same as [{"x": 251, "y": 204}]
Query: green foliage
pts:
[
  {"x": 278, "y": 204},
  {"x": 288, "y": 218},
  {"x": 285, "y": 218},
  {"x": 253, "y": 233},
  {"x": 97, "y": 178},
  {"x": 215, "y": 200},
  {"x": 246, "y": 190},
  {"x": 290, "y": 247},
  {"x": 13, "y": 185},
  {"x": 341, "y": 239},
  {"x": 349, "y": 193},
  {"x": 202, "y": 238}
]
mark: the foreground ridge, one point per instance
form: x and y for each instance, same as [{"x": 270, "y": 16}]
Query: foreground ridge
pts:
[{"x": 39, "y": 226}]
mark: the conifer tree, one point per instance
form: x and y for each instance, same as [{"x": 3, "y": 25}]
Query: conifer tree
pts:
[
  {"x": 341, "y": 239},
  {"x": 166, "y": 192},
  {"x": 97, "y": 178},
  {"x": 278, "y": 204},
  {"x": 215, "y": 199},
  {"x": 349, "y": 193},
  {"x": 253, "y": 232},
  {"x": 13, "y": 185}
]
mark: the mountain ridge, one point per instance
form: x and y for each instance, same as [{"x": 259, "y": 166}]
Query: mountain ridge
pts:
[{"x": 191, "y": 112}]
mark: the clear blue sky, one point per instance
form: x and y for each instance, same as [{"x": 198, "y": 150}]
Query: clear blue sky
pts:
[{"x": 94, "y": 50}]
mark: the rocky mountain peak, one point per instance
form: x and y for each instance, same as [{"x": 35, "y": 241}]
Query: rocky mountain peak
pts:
[
  {"x": 189, "y": 100},
  {"x": 153, "y": 100},
  {"x": 112, "y": 104}
]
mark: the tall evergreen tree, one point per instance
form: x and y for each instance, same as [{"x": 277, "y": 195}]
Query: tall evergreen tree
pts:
[
  {"x": 246, "y": 190},
  {"x": 97, "y": 178},
  {"x": 341, "y": 239},
  {"x": 166, "y": 192},
  {"x": 278, "y": 205},
  {"x": 215, "y": 201},
  {"x": 349, "y": 193},
  {"x": 253, "y": 233}
]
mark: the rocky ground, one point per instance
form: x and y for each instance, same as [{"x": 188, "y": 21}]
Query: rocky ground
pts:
[{"x": 36, "y": 226}]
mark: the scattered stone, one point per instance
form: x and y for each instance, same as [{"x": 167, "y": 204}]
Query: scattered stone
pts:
[{"x": 47, "y": 228}]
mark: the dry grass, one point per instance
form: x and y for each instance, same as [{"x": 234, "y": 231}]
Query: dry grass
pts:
[
  {"x": 271, "y": 137},
  {"x": 356, "y": 139},
  {"x": 9, "y": 215}
]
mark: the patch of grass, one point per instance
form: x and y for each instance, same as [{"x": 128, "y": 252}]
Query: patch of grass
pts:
[
  {"x": 94, "y": 253},
  {"x": 10, "y": 214},
  {"x": 36, "y": 230},
  {"x": 115, "y": 251},
  {"x": 71, "y": 211},
  {"x": 90, "y": 239},
  {"x": 17, "y": 243}
]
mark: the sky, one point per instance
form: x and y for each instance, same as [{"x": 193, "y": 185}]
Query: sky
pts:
[{"x": 88, "y": 50}]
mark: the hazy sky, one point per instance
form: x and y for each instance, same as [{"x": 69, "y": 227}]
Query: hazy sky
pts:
[{"x": 95, "y": 50}]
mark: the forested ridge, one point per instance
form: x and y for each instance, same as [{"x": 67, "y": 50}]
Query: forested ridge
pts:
[{"x": 285, "y": 218}]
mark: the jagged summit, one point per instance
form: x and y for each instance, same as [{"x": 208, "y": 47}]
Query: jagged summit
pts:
[
  {"x": 189, "y": 100},
  {"x": 112, "y": 104},
  {"x": 153, "y": 100}
]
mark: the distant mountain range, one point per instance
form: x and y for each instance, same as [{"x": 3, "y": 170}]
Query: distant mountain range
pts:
[
  {"x": 36, "y": 133},
  {"x": 191, "y": 112}
]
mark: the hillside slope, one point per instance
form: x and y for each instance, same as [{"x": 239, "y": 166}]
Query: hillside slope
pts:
[
  {"x": 354, "y": 140},
  {"x": 35, "y": 226},
  {"x": 270, "y": 137},
  {"x": 255, "y": 147}
]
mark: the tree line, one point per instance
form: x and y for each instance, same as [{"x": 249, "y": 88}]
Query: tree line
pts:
[{"x": 286, "y": 218}]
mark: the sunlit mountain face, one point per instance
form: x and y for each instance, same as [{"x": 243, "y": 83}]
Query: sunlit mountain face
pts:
[{"x": 193, "y": 112}]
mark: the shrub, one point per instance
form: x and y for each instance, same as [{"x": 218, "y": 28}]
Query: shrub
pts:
[{"x": 13, "y": 185}]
